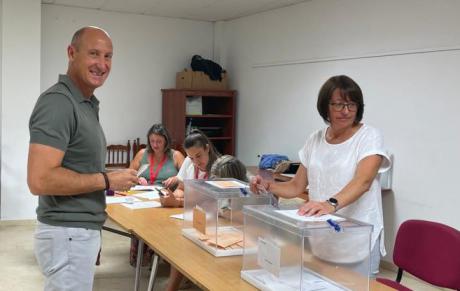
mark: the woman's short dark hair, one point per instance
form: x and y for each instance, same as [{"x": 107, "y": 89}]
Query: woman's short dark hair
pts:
[
  {"x": 159, "y": 129},
  {"x": 349, "y": 90},
  {"x": 197, "y": 138}
]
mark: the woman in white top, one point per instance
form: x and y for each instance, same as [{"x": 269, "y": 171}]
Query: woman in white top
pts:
[
  {"x": 201, "y": 154},
  {"x": 340, "y": 163}
]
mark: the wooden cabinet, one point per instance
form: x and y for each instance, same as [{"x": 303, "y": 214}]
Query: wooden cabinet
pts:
[{"x": 217, "y": 118}]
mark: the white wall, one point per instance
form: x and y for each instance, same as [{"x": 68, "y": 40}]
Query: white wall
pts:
[
  {"x": 20, "y": 86},
  {"x": 279, "y": 59},
  {"x": 148, "y": 51}
]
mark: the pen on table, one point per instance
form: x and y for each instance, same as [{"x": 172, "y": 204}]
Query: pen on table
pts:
[
  {"x": 160, "y": 192},
  {"x": 334, "y": 225}
]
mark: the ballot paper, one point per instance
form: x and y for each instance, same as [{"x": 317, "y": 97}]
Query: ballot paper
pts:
[
  {"x": 142, "y": 204},
  {"x": 288, "y": 280},
  {"x": 179, "y": 216},
  {"x": 293, "y": 214},
  {"x": 148, "y": 195},
  {"x": 142, "y": 169},
  {"x": 145, "y": 187},
  {"x": 120, "y": 199},
  {"x": 226, "y": 184}
]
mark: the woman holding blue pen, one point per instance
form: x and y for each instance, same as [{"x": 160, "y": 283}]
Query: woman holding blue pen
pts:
[{"x": 340, "y": 163}]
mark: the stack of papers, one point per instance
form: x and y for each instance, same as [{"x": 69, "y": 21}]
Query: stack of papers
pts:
[
  {"x": 293, "y": 214},
  {"x": 132, "y": 201},
  {"x": 142, "y": 204},
  {"x": 145, "y": 188},
  {"x": 120, "y": 199},
  {"x": 150, "y": 195}
]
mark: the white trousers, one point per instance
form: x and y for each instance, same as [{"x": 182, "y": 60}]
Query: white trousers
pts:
[{"x": 67, "y": 256}]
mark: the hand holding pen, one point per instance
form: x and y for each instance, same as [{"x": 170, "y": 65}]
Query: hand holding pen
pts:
[
  {"x": 259, "y": 185},
  {"x": 142, "y": 180}
]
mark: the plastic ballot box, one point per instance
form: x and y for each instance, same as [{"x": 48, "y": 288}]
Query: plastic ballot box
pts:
[
  {"x": 213, "y": 214},
  {"x": 285, "y": 251}
]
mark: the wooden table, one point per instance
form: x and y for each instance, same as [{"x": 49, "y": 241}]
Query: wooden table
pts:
[{"x": 163, "y": 234}]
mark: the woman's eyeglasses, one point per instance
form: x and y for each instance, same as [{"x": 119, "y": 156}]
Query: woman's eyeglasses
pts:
[{"x": 352, "y": 107}]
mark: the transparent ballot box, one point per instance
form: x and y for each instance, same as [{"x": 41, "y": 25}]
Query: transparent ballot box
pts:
[
  {"x": 213, "y": 214},
  {"x": 285, "y": 251}
]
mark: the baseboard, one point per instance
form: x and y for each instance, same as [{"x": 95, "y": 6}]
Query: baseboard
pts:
[{"x": 22, "y": 222}]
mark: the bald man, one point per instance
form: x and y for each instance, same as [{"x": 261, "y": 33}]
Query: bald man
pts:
[{"x": 66, "y": 167}]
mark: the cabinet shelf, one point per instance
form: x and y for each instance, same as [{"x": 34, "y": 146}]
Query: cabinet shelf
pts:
[
  {"x": 217, "y": 119},
  {"x": 220, "y": 138},
  {"x": 210, "y": 116}
]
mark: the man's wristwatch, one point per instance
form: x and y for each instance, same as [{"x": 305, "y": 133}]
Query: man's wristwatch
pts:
[{"x": 332, "y": 201}]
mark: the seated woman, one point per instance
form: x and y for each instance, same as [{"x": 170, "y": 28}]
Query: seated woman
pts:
[
  {"x": 201, "y": 154},
  {"x": 156, "y": 163},
  {"x": 224, "y": 167},
  {"x": 228, "y": 166}
]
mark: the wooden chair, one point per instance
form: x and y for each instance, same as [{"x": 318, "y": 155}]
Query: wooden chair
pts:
[{"x": 118, "y": 156}]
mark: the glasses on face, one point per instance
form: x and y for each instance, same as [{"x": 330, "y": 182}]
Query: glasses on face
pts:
[{"x": 352, "y": 107}]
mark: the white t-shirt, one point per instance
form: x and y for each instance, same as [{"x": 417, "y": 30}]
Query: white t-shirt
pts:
[
  {"x": 187, "y": 171},
  {"x": 330, "y": 167}
]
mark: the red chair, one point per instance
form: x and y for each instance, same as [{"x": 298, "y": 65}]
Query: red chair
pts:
[{"x": 429, "y": 251}]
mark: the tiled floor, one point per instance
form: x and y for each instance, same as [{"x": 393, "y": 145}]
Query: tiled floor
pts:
[{"x": 19, "y": 271}]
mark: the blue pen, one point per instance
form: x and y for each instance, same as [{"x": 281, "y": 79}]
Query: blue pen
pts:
[
  {"x": 334, "y": 225},
  {"x": 243, "y": 191}
]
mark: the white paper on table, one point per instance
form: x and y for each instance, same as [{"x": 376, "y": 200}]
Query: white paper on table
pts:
[
  {"x": 269, "y": 256},
  {"x": 227, "y": 184},
  {"x": 148, "y": 195},
  {"x": 120, "y": 199},
  {"x": 142, "y": 204},
  {"x": 293, "y": 214},
  {"x": 145, "y": 187},
  {"x": 178, "y": 216}
]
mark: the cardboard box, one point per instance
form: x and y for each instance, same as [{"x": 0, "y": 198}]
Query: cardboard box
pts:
[
  {"x": 188, "y": 79},
  {"x": 184, "y": 79}
]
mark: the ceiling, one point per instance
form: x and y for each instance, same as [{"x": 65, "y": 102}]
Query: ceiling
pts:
[{"x": 205, "y": 10}]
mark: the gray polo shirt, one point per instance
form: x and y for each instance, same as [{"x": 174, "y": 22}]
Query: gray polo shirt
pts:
[{"x": 64, "y": 119}]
